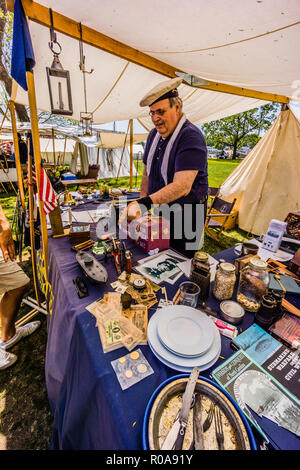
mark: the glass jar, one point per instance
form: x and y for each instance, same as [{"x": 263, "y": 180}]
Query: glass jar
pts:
[
  {"x": 224, "y": 281},
  {"x": 200, "y": 273},
  {"x": 253, "y": 284}
]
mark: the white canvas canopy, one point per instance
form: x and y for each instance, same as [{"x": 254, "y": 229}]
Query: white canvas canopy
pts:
[
  {"x": 245, "y": 44},
  {"x": 266, "y": 183}
]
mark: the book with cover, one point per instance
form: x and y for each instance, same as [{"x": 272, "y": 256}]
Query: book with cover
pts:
[
  {"x": 287, "y": 328},
  {"x": 253, "y": 389},
  {"x": 290, "y": 285},
  {"x": 276, "y": 359}
]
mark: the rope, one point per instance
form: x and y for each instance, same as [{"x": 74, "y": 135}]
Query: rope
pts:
[
  {"x": 227, "y": 44},
  {"x": 4, "y": 116},
  {"x": 138, "y": 120},
  {"x": 112, "y": 88}
]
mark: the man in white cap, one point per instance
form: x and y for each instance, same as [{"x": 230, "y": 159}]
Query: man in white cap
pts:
[
  {"x": 175, "y": 167},
  {"x": 13, "y": 284}
]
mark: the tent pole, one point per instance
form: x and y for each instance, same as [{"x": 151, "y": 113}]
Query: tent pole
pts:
[
  {"x": 131, "y": 151},
  {"x": 17, "y": 154},
  {"x": 37, "y": 158},
  {"x": 53, "y": 145},
  {"x": 65, "y": 145}
]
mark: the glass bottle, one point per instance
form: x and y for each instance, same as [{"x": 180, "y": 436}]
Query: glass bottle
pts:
[
  {"x": 224, "y": 281},
  {"x": 253, "y": 284}
]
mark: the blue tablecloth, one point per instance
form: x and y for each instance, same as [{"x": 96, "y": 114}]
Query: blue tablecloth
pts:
[{"x": 90, "y": 409}]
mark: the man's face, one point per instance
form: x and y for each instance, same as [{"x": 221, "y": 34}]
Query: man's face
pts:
[{"x": 167, "y": 118}]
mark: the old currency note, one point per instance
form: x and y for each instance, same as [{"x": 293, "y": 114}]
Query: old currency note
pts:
[{"x": 138, "y": 315}]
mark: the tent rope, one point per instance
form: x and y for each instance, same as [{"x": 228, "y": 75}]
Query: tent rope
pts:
[
  {"x": 142, "y": 124},
  {"x": 112, "y": 88},
  {"x": 4, "y": 116},
  {"x": 227, "y": 44}
]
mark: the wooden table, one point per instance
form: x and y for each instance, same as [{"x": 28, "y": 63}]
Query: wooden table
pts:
[{"x": 87, "y": 181}]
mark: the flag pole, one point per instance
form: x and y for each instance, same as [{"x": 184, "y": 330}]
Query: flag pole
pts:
[
  {"x": 17, "y": 154},
  {"x": 37, "y": 157},
  {"x": 31, "y": 226},
  {"x": 131, "y": 151}
]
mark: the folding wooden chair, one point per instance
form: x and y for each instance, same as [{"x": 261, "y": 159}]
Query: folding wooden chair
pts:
[
  {"x": 211, "y": 194},
  {"x": 213, "y": 228}
]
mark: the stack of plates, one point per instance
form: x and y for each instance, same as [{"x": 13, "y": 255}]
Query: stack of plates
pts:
[{"x": 182, "y": 338}]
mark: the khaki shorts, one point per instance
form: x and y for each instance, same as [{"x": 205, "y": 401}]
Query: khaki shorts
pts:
[{"x": 11, "y": 275}]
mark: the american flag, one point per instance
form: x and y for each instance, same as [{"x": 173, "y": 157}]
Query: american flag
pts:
[
  {"x": 46, "y": 193},
  {"x": 5, "y": 147}
]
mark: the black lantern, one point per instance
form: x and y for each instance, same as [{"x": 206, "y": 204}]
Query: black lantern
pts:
[
  {"x": 86, "y": 118},
  {"x": 86, "y": 121},
  {"x": 58, "y": 80}
]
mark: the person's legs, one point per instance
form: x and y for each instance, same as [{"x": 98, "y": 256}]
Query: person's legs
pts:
[{"x": 9, "y": 306}]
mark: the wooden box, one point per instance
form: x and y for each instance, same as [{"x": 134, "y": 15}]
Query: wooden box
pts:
[
  {"x": 79, "y": 233},
  {"x": 149, "y": 232}
]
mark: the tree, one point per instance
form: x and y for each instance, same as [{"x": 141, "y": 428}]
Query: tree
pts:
[
  {"x": 241, "y": 129},
  {"x": 6, "y": 27}
]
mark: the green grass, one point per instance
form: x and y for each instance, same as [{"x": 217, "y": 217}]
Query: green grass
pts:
[{"x": 219, "y": 170}]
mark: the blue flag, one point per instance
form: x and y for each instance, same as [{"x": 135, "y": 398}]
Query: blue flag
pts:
[{"x": 22, "y": 59}]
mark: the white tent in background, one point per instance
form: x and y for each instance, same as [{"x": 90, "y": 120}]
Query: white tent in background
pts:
[
  {"x": 63, "y": 150},
  {"x": 113, "y": 162},
  {"x": 266, "y": 183},
  {"x": 108, "y": 148}
]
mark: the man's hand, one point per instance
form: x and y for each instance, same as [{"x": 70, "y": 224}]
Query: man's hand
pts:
[
  {"x": 6, "y": 242},
  {"x": 132, "y": 211}
]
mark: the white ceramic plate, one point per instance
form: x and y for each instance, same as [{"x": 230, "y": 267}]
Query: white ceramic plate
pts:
[
  {"x": 179, "y": 361},
  {"x": 185, "y": 331},
  {"x": 182, "y": 368}
]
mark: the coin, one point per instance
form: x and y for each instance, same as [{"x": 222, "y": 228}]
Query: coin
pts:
[
  {"x": 134, "y": 355},
  {"x": 142, "y": 368},
  {"x": 122, "y": 359},
  {"x": 128, "y": 373}
]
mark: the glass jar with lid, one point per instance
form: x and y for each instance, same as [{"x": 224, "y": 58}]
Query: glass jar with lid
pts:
[
  {"x": 253, "y": 284},
  {"x": 224, "y": 281}
]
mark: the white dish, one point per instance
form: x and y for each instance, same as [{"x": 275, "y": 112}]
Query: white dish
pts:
[
  {"x": 184, "y": 330},
  {"x": 174, "y": 359},
  {"x": 182, "y": 368}
]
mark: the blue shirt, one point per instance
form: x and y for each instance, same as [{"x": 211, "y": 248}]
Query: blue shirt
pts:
[{"x": 188, "y": 152}]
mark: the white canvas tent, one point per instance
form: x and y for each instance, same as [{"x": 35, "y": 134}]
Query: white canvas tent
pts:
[
  {"x": 63, "y": 150},
  {"x": 109, "y": 148},
  {"x": 244, "y": 46},
  {"x": 267, "y": 183}
]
